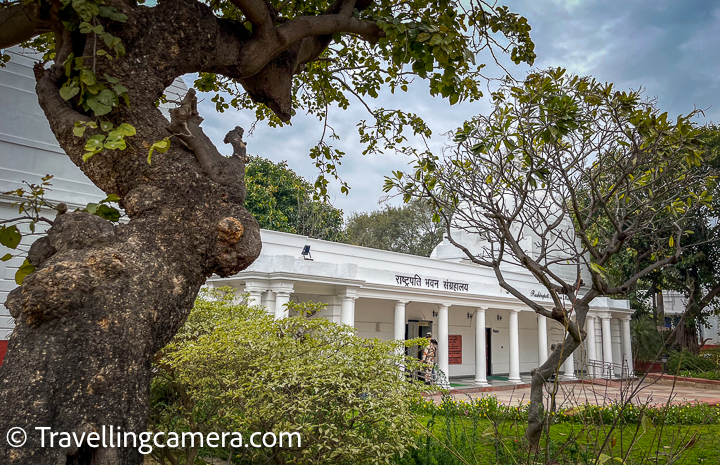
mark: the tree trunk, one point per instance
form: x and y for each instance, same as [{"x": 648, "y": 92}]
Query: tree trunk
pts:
[
  {"x": 104, "y": 297},
  {"x": 686, "y": 337},
  {"x": 540, "y": 376}
]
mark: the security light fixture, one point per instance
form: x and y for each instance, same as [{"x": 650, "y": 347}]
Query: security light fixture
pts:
[
  {"x": 306, "y": 253},
  {"x": 665, "y": 358},
  {"x": 469, "y": 315}
]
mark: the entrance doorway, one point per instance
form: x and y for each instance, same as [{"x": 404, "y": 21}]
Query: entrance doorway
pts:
[
  {"x": 488, "y": 352},
  {"x": 414, "y": 329}
]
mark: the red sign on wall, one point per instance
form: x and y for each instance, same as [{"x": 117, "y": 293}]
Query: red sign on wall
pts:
[
  {"x": 3, "y": 350},
  {"x": 455, "y": 349}
]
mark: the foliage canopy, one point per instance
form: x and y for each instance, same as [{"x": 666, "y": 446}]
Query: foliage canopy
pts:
[
  {"x": 406, "y": 229},
  {"x": 282, "y": 200}
]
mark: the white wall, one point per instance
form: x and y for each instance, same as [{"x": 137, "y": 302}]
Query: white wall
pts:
[{"x": 29, "y": 151}]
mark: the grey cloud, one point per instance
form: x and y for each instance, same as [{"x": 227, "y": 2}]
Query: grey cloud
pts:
[{"x": 668, "y": 47}]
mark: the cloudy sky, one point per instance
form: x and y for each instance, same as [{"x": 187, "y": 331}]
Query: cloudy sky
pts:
[{"x": 671, "y": 48}]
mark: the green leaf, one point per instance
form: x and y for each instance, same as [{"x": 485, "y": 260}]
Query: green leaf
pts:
[
  {"x": 110, "y": 40},
  {"x": 95, "y": 143},
  {"x": 107, "y": 212},
  {"x": 127, "y": 129},
  {"x": 10, "y": 236},
  {"x": 115, "y": 144},
  {"x": 88, "y": 77},
  {"x": 79, "y": 129},
  {"x": 67, "y": 92},
  {"x": 110, "y": 79},
  {"x": 91, "y": 208},
  {"x": 120, "y": 89},
  {"x": 119, "y": 49},
  {"x": 6, "y": 257},
  {"x": 671, "y": 242},
  {"x": 98, "y": 108},
  {"x": 646, "y": 423},
  {"x": 597, "y": 269},
  {"x": 436, "y": 39},
  {"x": 161, "y": 146},
  {"x": 25, "y": 269},
  {"x": 86, "y": 9}
]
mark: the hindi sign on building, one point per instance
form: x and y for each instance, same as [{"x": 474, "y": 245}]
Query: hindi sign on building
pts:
[{"x": 455, "y": 349}]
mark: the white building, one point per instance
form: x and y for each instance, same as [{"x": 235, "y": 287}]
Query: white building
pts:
[
  {"x": 674, "y": 305},
  {"x": 481, "y": 330}
]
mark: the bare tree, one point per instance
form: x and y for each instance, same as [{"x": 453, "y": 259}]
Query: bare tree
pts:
[{"x": 558, "y": 179}]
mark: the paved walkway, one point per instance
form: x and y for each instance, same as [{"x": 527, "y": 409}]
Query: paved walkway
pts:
[{"x": 574, "y": 393}]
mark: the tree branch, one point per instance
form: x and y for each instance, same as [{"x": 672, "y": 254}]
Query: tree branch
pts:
[
  {"x": 258, "y": 52},
  {"x": 19, "y": 23},
  {"x": 649, "y": 269},
  {"x": 705, "y": 301},
  {"x": 185, "y": 125},
  {"x": 258, "y": 13}
]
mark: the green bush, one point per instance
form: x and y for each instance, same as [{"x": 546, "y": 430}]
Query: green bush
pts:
[
  {"x": 489, "y": 408},
  {"x": 234, "y": 368},
  {"x": 711, "y": 375},
  {"x": 686, "y": 361}
]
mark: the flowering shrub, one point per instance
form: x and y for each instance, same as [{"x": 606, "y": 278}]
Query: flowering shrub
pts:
[
  {"x": 713, "y": 375},
  {"x": 484, "y": 408},
  {"x": 489, "y": 408}
]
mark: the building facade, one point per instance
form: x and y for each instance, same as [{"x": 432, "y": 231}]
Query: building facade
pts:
[{"x": 481, "y": 330}]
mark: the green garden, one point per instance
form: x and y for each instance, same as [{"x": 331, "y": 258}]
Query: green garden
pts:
[{"x": 235, "y": 368}]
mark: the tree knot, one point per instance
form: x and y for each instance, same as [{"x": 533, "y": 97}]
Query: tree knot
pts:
[{"x": 230, "y": 230}]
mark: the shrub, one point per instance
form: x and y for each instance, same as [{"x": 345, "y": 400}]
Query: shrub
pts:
[
  {"x": 685, "y": 360},
  {"x": 233, "y": 368}
]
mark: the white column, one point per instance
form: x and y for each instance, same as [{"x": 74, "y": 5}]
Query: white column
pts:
[
  {"x": 607, "y": 346},
  {"x": 281, "y": 299},
  {"x": 570, "y": 367},
  {"x": 514, "y": 374},
  {"x": 268, "y": 300},
  {"x": 255, "y": 290},
  {"x": 627, "y": 344},
  {"x": 480, "y": 352},
  {"x": 443, "y": 341},
  {"x": 542, "y": 339},
  {"x": 282, "y": 291},
  {"x": 591, "y": 347},
  {"x": 399, "y": 329},
  {"x": 255, "y": 298},
  {"x": 347, "y": 311}
]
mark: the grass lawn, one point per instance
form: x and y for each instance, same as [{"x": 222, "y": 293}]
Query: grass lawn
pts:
[{"x": 477, "y": 442}]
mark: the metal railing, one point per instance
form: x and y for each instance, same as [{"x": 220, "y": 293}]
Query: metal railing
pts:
[{"x": 607, "y": 370}]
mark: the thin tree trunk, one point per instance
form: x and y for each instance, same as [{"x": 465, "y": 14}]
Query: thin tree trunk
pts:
[
  {"x": 540, "y": 376},
  {"x": 660, "y": 309}
]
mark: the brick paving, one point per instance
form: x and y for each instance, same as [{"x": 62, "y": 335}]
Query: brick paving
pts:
[{"x": 574, "y": 393}]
